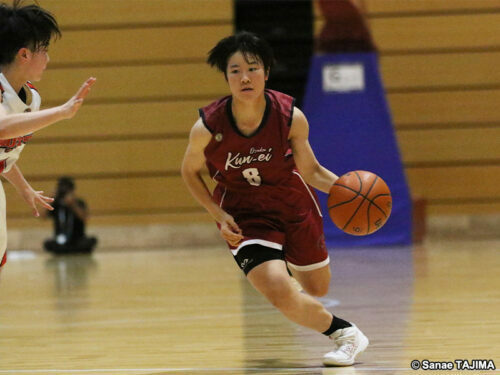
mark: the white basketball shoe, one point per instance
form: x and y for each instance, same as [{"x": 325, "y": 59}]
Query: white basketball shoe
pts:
[{"x": 350, "y": 342}]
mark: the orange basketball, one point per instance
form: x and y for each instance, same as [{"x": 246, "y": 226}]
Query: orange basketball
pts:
[{"x": 359, "y": 203}]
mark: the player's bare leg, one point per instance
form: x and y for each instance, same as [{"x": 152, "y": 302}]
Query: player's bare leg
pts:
[
  {"x": 314, "y": 282},
  {"x": 272, "y": 280}
]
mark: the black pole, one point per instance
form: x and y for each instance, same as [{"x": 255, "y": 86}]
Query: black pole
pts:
[{"x": 288, "y": 26}]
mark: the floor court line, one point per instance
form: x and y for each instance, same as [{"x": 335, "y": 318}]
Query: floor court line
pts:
[
  {"x": 136, "y": 321},
  {"x": 328, "y": 302},
  {"x": 191, "y": 369},
  {"x": 400, "y": 297}
]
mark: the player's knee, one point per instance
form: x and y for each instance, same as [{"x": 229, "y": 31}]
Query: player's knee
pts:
[
  {"x": 322, "y": 291},
  {"x": 317, "y": 290},
  {"x": 281, "y": 297},
  {"x": 316, "y": 283}
]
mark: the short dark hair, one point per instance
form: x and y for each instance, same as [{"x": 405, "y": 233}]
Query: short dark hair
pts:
[
  {"x": 28, "y": 26},
  {"x": 66, "y": 182},
  {"x": 249, "y": 44}
]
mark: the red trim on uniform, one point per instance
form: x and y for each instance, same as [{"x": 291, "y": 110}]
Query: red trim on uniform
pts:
[
  {"x": 10, "y": 144},
  {"x": 4, "y": 260},
  {"x": 3, "y": 165},
  {"x": 30, "y": 85}
]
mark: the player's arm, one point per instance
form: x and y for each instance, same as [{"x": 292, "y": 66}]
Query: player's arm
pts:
[
  {"x": 313, "y": 172},
  {"x": 192, "y": 165},
  {"x": 17, "y": 125},
  {"x": 31, "y": 197}
]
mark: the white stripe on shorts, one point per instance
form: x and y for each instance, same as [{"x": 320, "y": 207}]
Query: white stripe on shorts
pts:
[
  {"x": 309, "y": 191},
  {"x": 265, "y": 243},
  {"x": 309, "y": 267},
  {"x": 223, "y": 196}
]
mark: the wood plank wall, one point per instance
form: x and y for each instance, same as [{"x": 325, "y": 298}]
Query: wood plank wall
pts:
[
  {"x": 439, "y": 61},
  {"x": 438, "y": 58},
  {"x": 125, "y": 146}
]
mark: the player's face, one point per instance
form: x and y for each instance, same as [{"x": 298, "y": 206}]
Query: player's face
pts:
[
  {"x": 247, "y": 79},
  {"x": 37, "y": 64}
]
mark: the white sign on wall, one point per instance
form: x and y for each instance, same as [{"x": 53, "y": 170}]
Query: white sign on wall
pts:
[{"x": 343, "y": 77}]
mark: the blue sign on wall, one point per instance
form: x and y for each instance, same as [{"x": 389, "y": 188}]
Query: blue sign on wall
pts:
[{"x": 351, "y": 129}]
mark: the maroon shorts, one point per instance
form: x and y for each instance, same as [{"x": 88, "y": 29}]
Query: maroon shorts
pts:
[{"x": 286, "y": 218}]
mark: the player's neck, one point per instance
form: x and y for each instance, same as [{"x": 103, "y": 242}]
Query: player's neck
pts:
[
  {"x": 248, "y": 114},
  {"x": 15, "y": 78}
]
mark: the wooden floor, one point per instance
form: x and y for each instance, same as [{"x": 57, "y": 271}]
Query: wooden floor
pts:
[{"x": 190, "y": 311}]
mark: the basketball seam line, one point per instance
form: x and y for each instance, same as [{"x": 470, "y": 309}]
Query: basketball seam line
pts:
[
  {"x": 345, "y": 202},
  {"x": 357, "y": 192},
  {"x": 364, "y": 196},
  {"x": 368, "y": 212},
  {"x": 361, "y": 188},
  {"x": 375, "y": 197}
]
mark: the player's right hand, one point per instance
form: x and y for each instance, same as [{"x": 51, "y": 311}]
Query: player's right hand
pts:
[
  {"x": 72, "y": 106},
  {"x": 230, "y": 231},
  {"x": 35, "y": 198}
]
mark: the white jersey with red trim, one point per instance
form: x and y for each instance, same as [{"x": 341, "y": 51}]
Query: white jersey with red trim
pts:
[{"x": 10, "y": 149}]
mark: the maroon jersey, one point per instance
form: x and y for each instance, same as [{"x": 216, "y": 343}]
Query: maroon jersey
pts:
[
  {"x": 259, "y": 185},
  {"x": 250, "y": 163}
]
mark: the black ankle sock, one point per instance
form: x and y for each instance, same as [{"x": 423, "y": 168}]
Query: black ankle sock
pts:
[{"x": 337, "y": 323}]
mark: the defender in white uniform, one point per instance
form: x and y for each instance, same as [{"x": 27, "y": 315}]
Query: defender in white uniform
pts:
[
  {"x": 10, "y": 149},
  {"x": 23, "y": 58}
]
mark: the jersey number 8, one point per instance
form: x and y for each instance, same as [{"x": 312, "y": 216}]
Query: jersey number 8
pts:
[{"x": 252, "y": 176}]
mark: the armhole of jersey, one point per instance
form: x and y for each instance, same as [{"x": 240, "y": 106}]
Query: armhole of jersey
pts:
[
  {"x": 1, "y": 93},
  {"x": 291, "y": 113},
  {"x": 31, "y": 86},
  {"x": 202, "y": 116}
]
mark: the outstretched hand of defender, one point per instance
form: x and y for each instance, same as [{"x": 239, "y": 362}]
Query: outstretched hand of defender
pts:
[
  {"x": 72, "y": 106},
  {"x": 230, "y": 231},
  {"x": 34, "y": 198}
]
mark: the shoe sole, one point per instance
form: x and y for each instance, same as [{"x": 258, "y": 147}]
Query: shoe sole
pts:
[{"x": 363, "y": 344}]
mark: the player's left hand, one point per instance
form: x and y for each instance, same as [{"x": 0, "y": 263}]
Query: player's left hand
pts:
[
  {"x": 34, "y": 198},
  {"x": 229, "y": 230},
  {"x": 72, "y": 106}
]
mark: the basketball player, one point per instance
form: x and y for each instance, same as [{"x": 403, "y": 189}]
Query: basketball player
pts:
[
  {"x": 255, "y": 145},
  {"x": 25, "y": 35}
]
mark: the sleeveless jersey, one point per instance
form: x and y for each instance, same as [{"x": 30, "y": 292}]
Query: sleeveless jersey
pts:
[
  {"x": 10, "y": 149},
  {"x": 259, "y": 185},
  {"x": 250, "y": 163}
]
